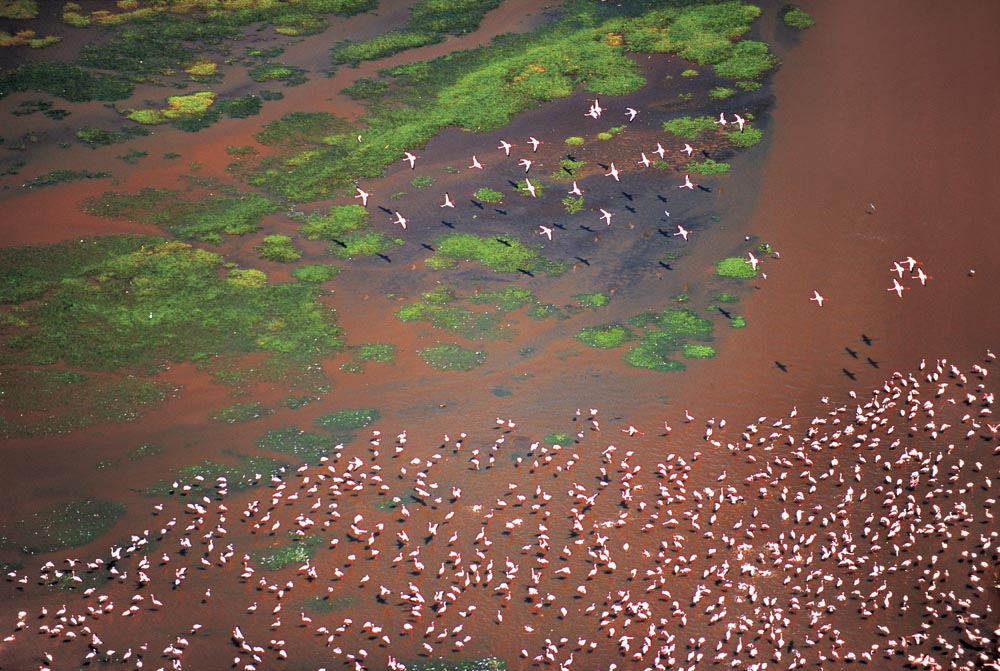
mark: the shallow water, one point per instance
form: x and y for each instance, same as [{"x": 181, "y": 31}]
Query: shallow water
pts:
[{"x": 886, "y": 123}]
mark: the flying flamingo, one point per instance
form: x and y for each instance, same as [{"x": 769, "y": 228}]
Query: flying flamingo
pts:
[
  {"x": 897, "y": 287},
  {"x": 753, "y": 261},
  {"x": 526, "y": 164},
  {"x": 606, "y": 216},
  {"x": 722, "y": 119},
  {"x": 546, "y": 231},
  {"x": 912, "y": 262},
  {"x": 740, "y": 121},
  {"x": 683, "y": 232},
  {"x": 505, "y": 146},
  {"x": 922, "y": 276},
  {"x": 476, "y": 163},
  {"x": 412, "y": 158},
  {"x": 632, "y": 113},
  {"x": 688, "y": 184},
  {"x": 363, "y": 195},
  {"x": 576, "y": 191},
  {"x": 400, "y": 219},
  {"x": 816, "y": 297},
  {"x": 688, "y": 149},
  {"x": 645, "y": 161},
  {"x": 534, "y": 143},
  {"x": 529, "y": 187},
  {"x": 613, "y": 173},
  {"x": 896, "y": 268},
  {"x": 660, "y": 150},
  {"x": 447, "y": 202}
]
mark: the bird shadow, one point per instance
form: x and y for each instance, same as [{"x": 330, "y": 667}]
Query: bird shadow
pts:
[
  {"x": 782, "y": 367},
  {"x": 582, "y": 260},
  {"x": 849, "y": 374},
  {"x": 448, "y": 223},
  {"x": 628, "y": 196},
  {"x": 384, "y": 257}
]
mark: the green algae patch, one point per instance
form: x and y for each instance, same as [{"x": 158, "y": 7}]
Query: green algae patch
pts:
[
  {"x": 458, "y": 319},
  {"x": 342, "y": 424},
  {"x": 240, "y": 413},
  {"x": 693, "y": 351},
  {"x": 449, "y": 356},
  {"x": 247, "y": 472},
  {"x": 558, "y": 438},
  {"x": 748, "y": 137},
  {"x": 592, "y": 301},
  {"x": 738, "y": 322},
  {"x": 204, "y": 212},
  {"x": 736, "y": 267},
  {"x": 290, "y": 75},
  {"x": 316, "y": 274},
  {"x": 177, "y": 106},
  {"x": 63, "y": 175},
  {"x": 708, "y": 167},
  {"x": 64, "y": 80},
  {"x": 605, "y": 336},
  {"x": 797, "y": 18},
  {"x": 688, "y": 127},
  {"x": 669, "y": 333},
  {"x": 298, "y": 550},
  {"x": 371, "y": 243},
  {"x": 136, "y": 302},
  {"x": 504, "y": 300},
  {"x": 488, "y": 195},
  {"x": 64, "y": 526},
  {"x": 468, "y": 664},
  {"x": 504, "y": 254},
  {"x": 378, "y": 352},
  {"x": 44, "y": 401},
  {"x": 336, "y": 222},
  {"x": 291, "y": 440},
  {"x": 278, "y": 248}
]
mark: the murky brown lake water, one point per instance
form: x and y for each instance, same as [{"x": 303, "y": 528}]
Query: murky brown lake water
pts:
[{"x": 885, "y": 104}]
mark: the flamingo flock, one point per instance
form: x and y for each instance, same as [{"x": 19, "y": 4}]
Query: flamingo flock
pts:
[{"x": 862, "y": 535}]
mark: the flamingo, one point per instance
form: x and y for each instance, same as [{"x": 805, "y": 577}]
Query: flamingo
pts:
[
  {"x": 363, "y": 195},
  {"x": 476, "y": 163},
  {"x": 688, "y": 149},
  {"x": 526, "y": 164},
  {"x": 912, "y": 262},
  {"x": 922, "y": 276},
  {"x": 632, "y": 113},
  {"x": 576, "y": 191},
  {"x": 660, "y": 150},
  {"x": 722, "y": 119},
  {"x": 740, "y": 121},
  {"x": 545, "y": 230},
  {"x": 896, "y": 268},
  {"x": 400, "y": 219},
  {"x": 816, "y": 297},
  {"x": 688, "y": 184},
  {"x": 613, "y": 173},
  {"x": 447, "y": 202},
  {"x": 683, "y": 232},
  {"x": 412, "y": 158},
  {"x": 505, "y": 146},
  {"x": 753, "y": 261},
  {"x": 645, "y": 161},
  {"x": 897, "y": 287},
  {"x": 606, "y": 216},
  {"x": 529, "y": 187},
  {"x": 534, "y": 143}
]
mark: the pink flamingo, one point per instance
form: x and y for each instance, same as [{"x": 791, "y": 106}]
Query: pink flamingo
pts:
[
  {"x": 363, "y": 195},
  {"x": 816, "y": 297},
  {"x": 688, "y": 184},
  {"x": 412, "y": 158},
  {"x": 683, "y": 232},
  {"x": 606, "y": 216}
]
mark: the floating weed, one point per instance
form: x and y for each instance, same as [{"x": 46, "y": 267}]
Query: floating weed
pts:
[
  {"x": 666, "y": 333},
  {"x": 575, "y": 141},
  {"x": 605, "y": 336},
  {"x": 377, "y": 352},
  {"x": 338, "y": 221},
  {"x": 246, "y": 473},
  {"x": 298, "y": 402},
  {"x": 504, "y": 254},
  {"x": 133, "y": 156},
  {"x": 290, "y": 75},
  {"x": 278, "y": 248},
  {"x": 296, "y": 442},
  {"x": 721, "y": 93},
  {"x": 467, "y": 664},
  {"x": 591, "y": 301},
  {"x": 371, "y": 243},
  {"x": 688, "y": 127},
  {"x": 796, "y": 18},
  {"x": 298, "y": 551},
  {"x": 546, "y": 311},
  {"x": 98, "y": 137},
  {"x": 422, "y": 181},
  {"x": 572, "y": 204},
  {"x": 474, "y": 325},
  {"x": 748, "y": 137},
  {"x": 316, "y": 274},
  {"x": 239, "y": 413},
  {"x": 342, "y": 424},
  {"x": 558, "y": 439},
  {"x": 708, "y": 167},
  {"x": 738, "y": 322},
  {"x": 504, "y": 300},
  {"x": 726, "y": 297},
  {"x": 735, "y": 266},
  {"x": 488, "y": 195},
  {"x": 693, "y": 351},
  {"x": 64, "y": 175},
  {"x": 448, "y": 357},
  {"x": 64, "y": 526},
  {"x": 144, "y": 451}
]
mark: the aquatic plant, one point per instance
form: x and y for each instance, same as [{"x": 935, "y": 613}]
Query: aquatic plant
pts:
[
  {"x": 422, "y": 181},
  {"x": 337, "y": 222},
  {"x": 735, "y": 266},
  {"x": 726, "y": 297},
  {"x": 290, "y": 75},
  {"x": 558, "y": 439},
  {"x": 796, "y": 17},
  {"x": 738, "y": 321},
  {"x": 145, "y": 451},
  {"x": 721, "y": 93},
  {"x": 688, "y": 127},
  {"x": 63, "y": 526},
  {"x": 379, "y": 352},
  {"x": 247, "y": 472},
  {"x": 572, "y": 204},
  {"x": 447, "y": 357},
  {"x": 18, "y": 9},
  {"x": 315, "y": 273},
  {"x": 748, "y": 137},
  {"x": 468, "y": 664},
  {"x": 689, "y": 73},
  {"x": 575, "y": 141},
  {"x": 504, "y": 254},
  {"x": 693, "y": 351},
  {"x": 296, "y": 442},
  {"x": 474, "y": 325},
  {"x": 667, "y": 332},
  {"x": 592, "y": 301},
  {"x": 605, "y": 336},
  {"x": 64, "y": 80},
  {"x": 344, "y": 422},
  {"x": 371, "y": 243},
  {"x": 63, "y": 175},
  {"x": 708, "y": 167},
  {"x": 133, "y": 156},
  {"x": 278, "y": 248},
  {"x": 504, "y": 300},
  {"x": 239, "y": 413},
  {"x": 488, "y": 195},
  {"x": 299, "y": 550}
]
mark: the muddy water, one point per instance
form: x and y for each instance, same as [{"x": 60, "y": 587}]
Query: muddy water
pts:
[{"x": 886, "y": 123}]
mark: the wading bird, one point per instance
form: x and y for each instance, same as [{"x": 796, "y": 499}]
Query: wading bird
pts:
[
  {"x": 606, "y": 216},
  {"x": 688, "y": 184},
  {"x": 411, "y": 158},
  {"x": 363, "y": 195},
  {"x": 816, "y": 297}
]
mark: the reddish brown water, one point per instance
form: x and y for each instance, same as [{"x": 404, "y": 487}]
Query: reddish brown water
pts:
[{"x": 864, "y": 113}]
